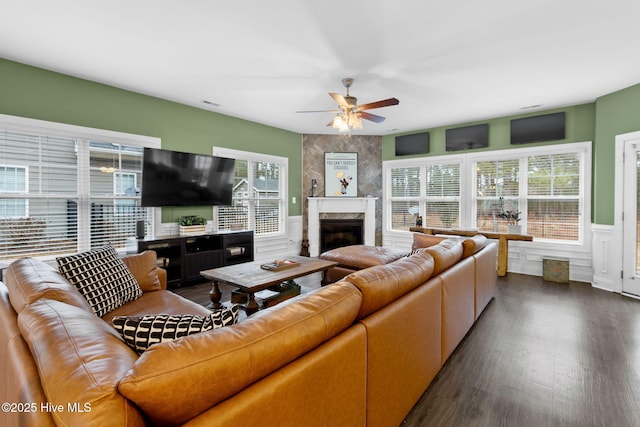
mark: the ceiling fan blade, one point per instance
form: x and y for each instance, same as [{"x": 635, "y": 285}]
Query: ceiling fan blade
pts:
[
  {"x": 318, "y": 111},
  {"x": 379, "y": 104},
  {"x": 371, "y": 117},
  {"x": 339, "y": 100}
]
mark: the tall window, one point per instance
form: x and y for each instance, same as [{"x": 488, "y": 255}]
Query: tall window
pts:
[
  {"x": 497, "y": 191},
  {"x": 549, "y": 190},
  {"x": 554, "y": 198},
  {"x": 443, "y": 195},
  {"x": 431, "y": 191},
  {"x": 259, "y": 194},
  {"x": 65, "y": 194}
]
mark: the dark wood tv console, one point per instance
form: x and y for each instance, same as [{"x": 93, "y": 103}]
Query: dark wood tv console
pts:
[{"x": 185, "y": 256}]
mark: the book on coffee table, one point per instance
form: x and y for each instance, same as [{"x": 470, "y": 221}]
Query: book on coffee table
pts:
[{"x": 279, "y": 265}]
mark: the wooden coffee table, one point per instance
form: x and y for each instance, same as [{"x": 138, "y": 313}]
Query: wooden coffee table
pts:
[{"x": 251, "y": 278}]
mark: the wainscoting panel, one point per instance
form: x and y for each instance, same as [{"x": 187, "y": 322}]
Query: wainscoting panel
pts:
[{"x": 607, "y": 258}]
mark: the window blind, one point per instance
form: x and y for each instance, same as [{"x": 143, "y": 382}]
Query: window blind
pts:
[
  {"x": 553, "y": 196},
  {"x": 443, "y": 195},
  {"x": 497, "y": 190},
  {"x": 74, "y": 196},
  {"x": 405, "y": 197}
]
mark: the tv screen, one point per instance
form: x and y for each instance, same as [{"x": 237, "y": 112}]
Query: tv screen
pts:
[
  {"x": 548, "y": 127},
  {"x": 417, "y": 143},
  {"x": 464, "y": 138},
  {"x": 173, "y": 178}
]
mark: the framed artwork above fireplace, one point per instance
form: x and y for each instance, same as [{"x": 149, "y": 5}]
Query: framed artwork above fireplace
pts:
[{"x": 341, "y": 174}]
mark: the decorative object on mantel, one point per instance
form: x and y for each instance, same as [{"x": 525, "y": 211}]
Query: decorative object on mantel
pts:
[
  {"x": 341, "y": 174},
  {"x": 511, "y": 216},
  {"x": 314, "y": 185},
  {"x": 192, "y": 224}
]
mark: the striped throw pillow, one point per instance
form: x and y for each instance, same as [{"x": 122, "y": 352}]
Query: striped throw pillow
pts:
[{"x": 140, "y": 332}]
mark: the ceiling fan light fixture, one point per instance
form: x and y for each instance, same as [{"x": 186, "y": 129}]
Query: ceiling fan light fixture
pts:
[
  {"x": 340, "y": 123},
  {"x": 355, "y": 122},
  {"x": 350, "y": 114}
]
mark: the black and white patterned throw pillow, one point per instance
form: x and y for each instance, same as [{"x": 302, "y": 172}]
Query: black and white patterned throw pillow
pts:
[
  {"x": 140, "y": 332},
  {"x": 101, "y": 277}
]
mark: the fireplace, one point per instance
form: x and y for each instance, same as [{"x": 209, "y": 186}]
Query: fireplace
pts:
[
  {"x": 361, "y": 206},
  {"x": 335, "y": 233}
]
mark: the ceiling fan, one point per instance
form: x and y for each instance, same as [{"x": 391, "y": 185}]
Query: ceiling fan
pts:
[{"x": 349, "y": 114}]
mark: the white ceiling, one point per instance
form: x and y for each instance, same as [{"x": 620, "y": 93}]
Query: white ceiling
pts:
[{"x": 447, "y": 62}]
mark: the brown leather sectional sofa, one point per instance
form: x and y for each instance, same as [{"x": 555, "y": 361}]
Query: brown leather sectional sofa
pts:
[{"x": 358, "y": 352}]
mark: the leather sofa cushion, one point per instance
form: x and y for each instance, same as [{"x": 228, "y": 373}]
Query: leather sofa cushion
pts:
[
  {"x": 175, "y": 381},
  {"x": 159, "y": 302},
  {"x": 445, "y": 254},
  {"x": 382, "y": 284},
  {"x": 30, "y": 279},
  {"x": 472, "y": 245},
  {"x": 421, "y": 240},
  {"x": 144, "y": 268},
  {"x": 363, "y": 256},
  {"x": 80, "y": 359}
]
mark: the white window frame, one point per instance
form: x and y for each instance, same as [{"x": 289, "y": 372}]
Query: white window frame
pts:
[
  {"x": 283, "y": 162},
  {"x": 81, "y": 133},
  {"x": 26, "y": 188},
  {"x": 468, "y": 183}
]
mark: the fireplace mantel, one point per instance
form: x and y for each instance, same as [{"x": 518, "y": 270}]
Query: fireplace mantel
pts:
[{"x": 320, "y": 205}]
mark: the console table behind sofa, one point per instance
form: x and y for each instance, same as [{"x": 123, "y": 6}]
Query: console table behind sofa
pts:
[{"x": 503, "y": 241}]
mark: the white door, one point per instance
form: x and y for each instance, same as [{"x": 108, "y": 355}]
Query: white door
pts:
[{"x": 631, "y": 217}]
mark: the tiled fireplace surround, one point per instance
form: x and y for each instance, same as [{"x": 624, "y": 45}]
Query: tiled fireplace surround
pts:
[{"x": 369, "y": 149}]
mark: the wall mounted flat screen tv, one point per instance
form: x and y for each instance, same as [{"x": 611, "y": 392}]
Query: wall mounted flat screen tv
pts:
[
  {"x": 467, "y": 137},
  {"x": 173, "y": 178},
  {"x": 548, "y": 127},
  {"x": 417, "y": 143}
]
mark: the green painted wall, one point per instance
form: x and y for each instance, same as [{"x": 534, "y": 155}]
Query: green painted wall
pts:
[
  {"x": 616, "y": 113},
  {"x": 40, "y": 94}
]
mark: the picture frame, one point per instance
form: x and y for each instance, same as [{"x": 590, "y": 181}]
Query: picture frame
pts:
[{"x": 341, "y": 174}]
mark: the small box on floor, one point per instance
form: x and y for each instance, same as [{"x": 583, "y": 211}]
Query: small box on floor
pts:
[{"x": 555, "y": 269}]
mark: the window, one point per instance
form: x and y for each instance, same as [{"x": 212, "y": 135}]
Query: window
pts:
[
  {"x": 13, "y": 179},
  {"x": 259, "y": 194},
  {"x": 63, "y": 192},
  {"x": 443, "y": 195},
  {"x": 554, "y": 197},
  {"x": 497, "y": 190},
  {"x": 549, "y": 190},
  {"x": 430, "y": 190}
]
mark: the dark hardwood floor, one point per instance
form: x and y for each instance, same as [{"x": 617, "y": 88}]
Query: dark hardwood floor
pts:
[{"x": 542, "y": 354}]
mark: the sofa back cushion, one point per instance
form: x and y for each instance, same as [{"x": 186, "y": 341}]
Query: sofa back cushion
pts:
[
  {"x": 144, "y": 267},
  {"x": 445, "y": 254},
  {"x": 383, "y": 284},
  {"x": 175, "y": 381},
  {"x": 473, "y": 244},
  {"x": 29, "y": 280},
  {"x": 421, "y": 240},
  {"x": 80, "y": 359}
]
